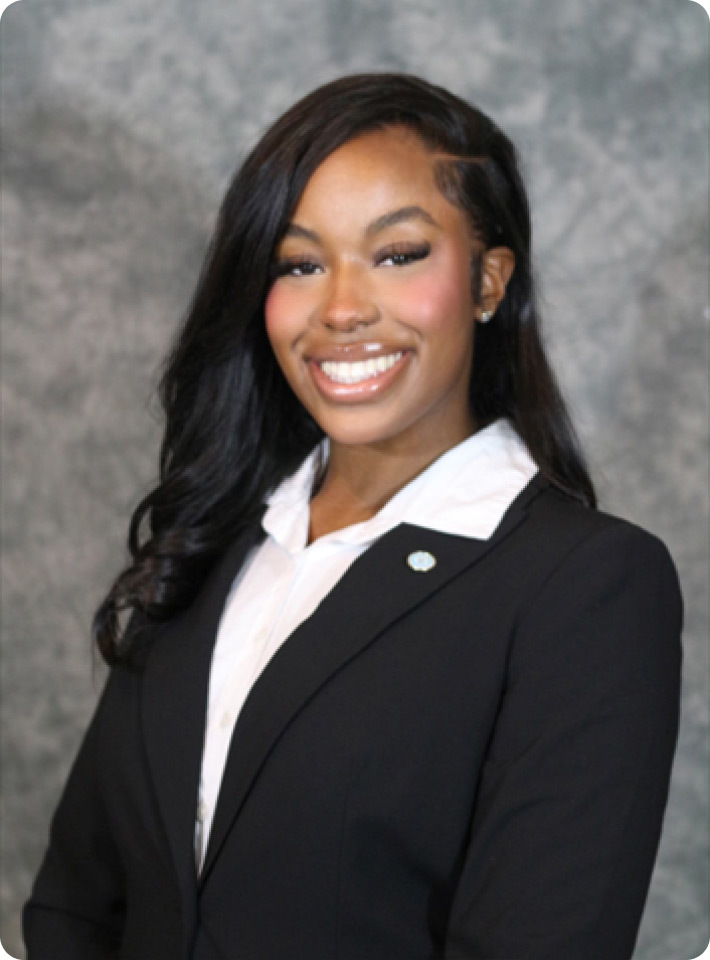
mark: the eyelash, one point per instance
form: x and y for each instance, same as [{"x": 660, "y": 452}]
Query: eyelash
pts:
[{"x": 407, "y": 253}]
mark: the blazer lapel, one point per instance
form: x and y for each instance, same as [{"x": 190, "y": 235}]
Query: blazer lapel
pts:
[
  {"x": 343, "y": 625},
  {"x": 173, "y": 709}
]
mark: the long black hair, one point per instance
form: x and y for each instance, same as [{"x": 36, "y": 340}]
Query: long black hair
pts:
[{"x": 233, "y": 428}]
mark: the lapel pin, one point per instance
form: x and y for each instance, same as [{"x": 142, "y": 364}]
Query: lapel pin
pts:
[{"x": 421, "y": 561}]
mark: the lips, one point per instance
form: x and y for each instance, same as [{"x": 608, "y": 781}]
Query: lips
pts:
[{"x": 361, "y": 377}]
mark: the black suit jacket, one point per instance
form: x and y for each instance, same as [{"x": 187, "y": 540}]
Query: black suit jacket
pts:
[{"x": 471, "y": 762}]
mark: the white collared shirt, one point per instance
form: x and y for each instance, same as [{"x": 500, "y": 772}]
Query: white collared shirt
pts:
[{"x": 465, "y": 492}]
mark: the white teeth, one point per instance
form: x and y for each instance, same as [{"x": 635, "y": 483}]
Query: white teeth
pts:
[{"x": 343, "y": 372}]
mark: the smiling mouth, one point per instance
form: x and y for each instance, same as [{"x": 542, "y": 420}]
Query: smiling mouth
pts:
[{"x": 342, "y": 371}]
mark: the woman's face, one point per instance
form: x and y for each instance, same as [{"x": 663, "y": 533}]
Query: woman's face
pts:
[{"x": 371, "y": 314}]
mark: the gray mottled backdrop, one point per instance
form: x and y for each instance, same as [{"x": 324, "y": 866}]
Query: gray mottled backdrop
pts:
[{"x": 122, "y": 121}]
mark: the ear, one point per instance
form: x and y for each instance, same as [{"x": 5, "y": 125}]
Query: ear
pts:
[{"x": 497, "y": 268}]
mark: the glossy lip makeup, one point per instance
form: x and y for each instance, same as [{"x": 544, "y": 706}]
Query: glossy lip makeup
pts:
[{"x": 354, "y": 373}]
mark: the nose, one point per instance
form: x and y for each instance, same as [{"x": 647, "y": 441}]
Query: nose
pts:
[{"x": 348, "y": 303}]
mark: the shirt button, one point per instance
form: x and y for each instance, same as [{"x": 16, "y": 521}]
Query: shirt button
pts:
[
  {"x": 261, "y": 636},
  {"x": 225, "y": 720},
  {"x": 201, "y": 811}
]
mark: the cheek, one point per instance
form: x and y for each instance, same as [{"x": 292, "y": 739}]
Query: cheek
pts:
[
  {"x": 282, "y": 313},
  {"x": 436, "y": 300}
]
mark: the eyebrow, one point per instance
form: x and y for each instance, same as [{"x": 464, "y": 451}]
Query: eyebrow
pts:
[{"x": 390, "y": 219}]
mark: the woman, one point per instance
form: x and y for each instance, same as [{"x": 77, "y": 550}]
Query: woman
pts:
[{"x": 392, "y": 687}]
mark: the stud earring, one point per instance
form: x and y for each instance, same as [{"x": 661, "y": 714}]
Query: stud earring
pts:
[{"x": 486, "y": 316}]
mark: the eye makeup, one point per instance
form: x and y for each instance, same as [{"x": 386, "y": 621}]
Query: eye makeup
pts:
[
  {"x": 403, "y": 254},
  {"x": 400, "y": 255}
]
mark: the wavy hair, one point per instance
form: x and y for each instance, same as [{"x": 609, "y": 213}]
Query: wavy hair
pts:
[{"x": 233, "y": 428}]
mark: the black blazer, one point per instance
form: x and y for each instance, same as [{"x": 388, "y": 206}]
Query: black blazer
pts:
[{"x": 470, "y": 762}]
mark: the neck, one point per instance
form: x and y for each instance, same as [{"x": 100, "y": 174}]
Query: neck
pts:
[{"x": 361, "y": 478}]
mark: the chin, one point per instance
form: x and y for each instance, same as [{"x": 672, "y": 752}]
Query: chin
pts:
[
  {"x": 353, "y": 434},
  {"x": 354, "y": 437}
]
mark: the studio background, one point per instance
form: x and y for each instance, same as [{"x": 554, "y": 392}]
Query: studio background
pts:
[{"x": 122, "y": 122}]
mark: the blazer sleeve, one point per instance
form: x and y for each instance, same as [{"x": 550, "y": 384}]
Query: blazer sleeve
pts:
[
  {"x": 76, "y": 909},
  {"x": 568, "y": 813}
]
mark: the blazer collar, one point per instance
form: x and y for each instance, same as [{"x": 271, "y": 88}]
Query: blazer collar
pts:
[{"x": 304, "y": 663}]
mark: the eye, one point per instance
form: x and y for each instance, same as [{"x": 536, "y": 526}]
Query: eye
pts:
[
  {"x": 400, "y": 255},
  {"x": 294, "y": 267}
]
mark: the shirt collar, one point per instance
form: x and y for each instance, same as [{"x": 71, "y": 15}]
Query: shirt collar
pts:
[{"x": 465, "y": 492}]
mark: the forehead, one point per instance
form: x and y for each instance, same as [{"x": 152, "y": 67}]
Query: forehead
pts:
[{"x": 373, "y": 172}]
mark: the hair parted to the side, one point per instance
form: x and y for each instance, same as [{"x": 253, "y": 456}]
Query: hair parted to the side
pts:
[{"x": 233, "y": 427}]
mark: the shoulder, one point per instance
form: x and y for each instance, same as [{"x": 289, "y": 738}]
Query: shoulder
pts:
[
  {"x": 599, "y": 591},
  {"x": 584, "y": 578},
  {"x": 563, "y": 530}
]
